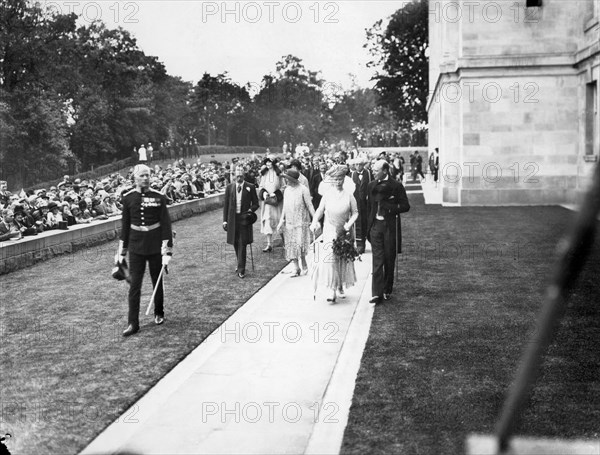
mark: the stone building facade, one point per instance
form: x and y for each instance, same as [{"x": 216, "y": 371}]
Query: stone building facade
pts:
[{"x": 513, "y": 101}]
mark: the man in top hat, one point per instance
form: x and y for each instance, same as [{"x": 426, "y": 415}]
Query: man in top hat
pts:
[
  {"x": 241, "y": 201},
  {"x": 386, "y": 200},
  {"x": 146, "y": 234}
]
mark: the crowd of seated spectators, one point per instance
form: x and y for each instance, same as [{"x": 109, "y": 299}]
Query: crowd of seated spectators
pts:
[{"x": 75, "y": 201}]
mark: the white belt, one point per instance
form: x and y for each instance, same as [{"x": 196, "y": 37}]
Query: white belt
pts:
[{"x": 145, "y": 228}]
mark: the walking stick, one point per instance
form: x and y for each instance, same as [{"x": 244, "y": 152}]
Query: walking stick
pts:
[
  {"x": 251, "y": 257},
  {"x": 158, "y": 283},
  {"x": 396, "y": 248}
]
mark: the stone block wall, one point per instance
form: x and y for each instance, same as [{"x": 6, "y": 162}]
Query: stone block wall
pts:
[{"x": 28, "y": 251}]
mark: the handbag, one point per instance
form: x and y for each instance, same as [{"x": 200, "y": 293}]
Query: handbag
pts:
[{"x": 271, "y": 200}]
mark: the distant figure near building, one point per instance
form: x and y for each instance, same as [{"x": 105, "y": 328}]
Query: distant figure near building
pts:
[{"x": 418, "y": 167}]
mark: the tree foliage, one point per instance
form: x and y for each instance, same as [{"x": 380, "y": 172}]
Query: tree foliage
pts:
[
  {"x": 291, "y": 105},
  {"x": 219, "y": 105},
  {"x": 73, "y": 97},
  {"x": 76, "y": 95},
  {"x": 399, "y": 53}
]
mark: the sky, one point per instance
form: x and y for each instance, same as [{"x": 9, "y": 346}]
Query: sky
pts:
[{"x": 246, "y": 39}]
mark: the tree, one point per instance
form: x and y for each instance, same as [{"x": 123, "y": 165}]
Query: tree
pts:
[
  {"x": 291, "y": 104},
  {"x": 399, "y": 52},
  {"x": 33, "y": 110},
  {"x": 219, "y": 105}
]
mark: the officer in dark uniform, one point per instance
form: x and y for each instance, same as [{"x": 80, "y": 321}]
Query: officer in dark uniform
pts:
[{"x": 146, "y": 234}]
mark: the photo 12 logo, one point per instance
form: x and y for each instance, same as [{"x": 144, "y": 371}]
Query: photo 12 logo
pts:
[
  {"x": 268, "y": 411},
  {"x": 270, "y": 12},
  {"x": 490, "y": 12},
  {"x": 490, "y": 172},
  {"x": 115, "y": 12}
]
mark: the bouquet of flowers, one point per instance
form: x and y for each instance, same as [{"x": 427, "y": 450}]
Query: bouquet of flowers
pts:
[{"x": 343, "y": 248}]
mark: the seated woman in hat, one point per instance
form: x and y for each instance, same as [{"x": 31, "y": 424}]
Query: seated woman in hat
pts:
[
  {"x": 24, "y": 223},
  {"x": 53, "y": 217}
]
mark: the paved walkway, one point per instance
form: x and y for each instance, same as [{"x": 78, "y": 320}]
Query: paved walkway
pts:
[{"x": 277, "y": 377}]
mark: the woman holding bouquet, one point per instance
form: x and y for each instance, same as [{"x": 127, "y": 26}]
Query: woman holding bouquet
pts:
[{"x": 341, "y": 212}]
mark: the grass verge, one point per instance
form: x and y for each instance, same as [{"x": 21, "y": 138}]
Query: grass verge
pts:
[
  {"x": 66, "y": 371},
  {"x": 443, "y": 351}
]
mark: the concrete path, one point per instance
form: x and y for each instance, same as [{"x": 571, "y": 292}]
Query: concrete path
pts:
[{"x": 277, "y": 377}]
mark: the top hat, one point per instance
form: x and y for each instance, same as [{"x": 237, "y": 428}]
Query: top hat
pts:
[
  {"x": 121, "y": 272},
  {"x": 248, "y": 218}
]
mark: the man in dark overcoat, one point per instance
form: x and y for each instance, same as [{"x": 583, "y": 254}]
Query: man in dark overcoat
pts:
[
  {"x": 387, "y": 199},
  {"x": 315, "y": 181},
  {"x": 361, "y": 178},
  {"x": 241, "y": 201}
]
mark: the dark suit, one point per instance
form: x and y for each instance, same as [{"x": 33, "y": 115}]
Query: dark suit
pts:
[
  {"x": 360, "y": 194},
  {"x": 389, "y": 197},
  {"x": 314, "y": 189},
  {"x": 239, "y": 235}
]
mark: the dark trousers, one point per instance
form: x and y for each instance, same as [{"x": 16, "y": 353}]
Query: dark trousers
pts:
[
  {"x": 362, "y": 222},
  {"x": 240, "y": 247},
  {"x": 383, "y": 244},
  {"x": 137, "y": 267}
]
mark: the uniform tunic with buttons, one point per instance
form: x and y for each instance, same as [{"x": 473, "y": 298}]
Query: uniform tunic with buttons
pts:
[{"x": 145, "y": 210}]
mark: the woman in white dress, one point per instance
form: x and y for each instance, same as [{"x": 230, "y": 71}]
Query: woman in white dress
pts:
[
  {"x": 270, "y": 187},
  {"x": 295, "y": 220},
  {"x": 340, "y": 210}
]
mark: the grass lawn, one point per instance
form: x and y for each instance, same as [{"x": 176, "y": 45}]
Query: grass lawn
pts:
[
  {"x": 66, "y": 371},
  {"x": 442, "y": 353}
]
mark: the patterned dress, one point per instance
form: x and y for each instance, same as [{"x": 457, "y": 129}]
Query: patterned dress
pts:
[
  {"x": 340, "y": 206},
  {"x": 296, "y": 200}
]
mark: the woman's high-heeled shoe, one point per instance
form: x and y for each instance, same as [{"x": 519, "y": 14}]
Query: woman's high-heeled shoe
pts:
[
  {"x": 268, "y": 249},
  {"x": 332, "y": 297},
  {"x": 341, "y": 292}
]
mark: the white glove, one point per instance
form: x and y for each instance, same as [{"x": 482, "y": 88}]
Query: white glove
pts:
[
  {"x": 166, "y": 259},
  {"x": 347, "y": 227},
  {"x": 121, "y": 253}
]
